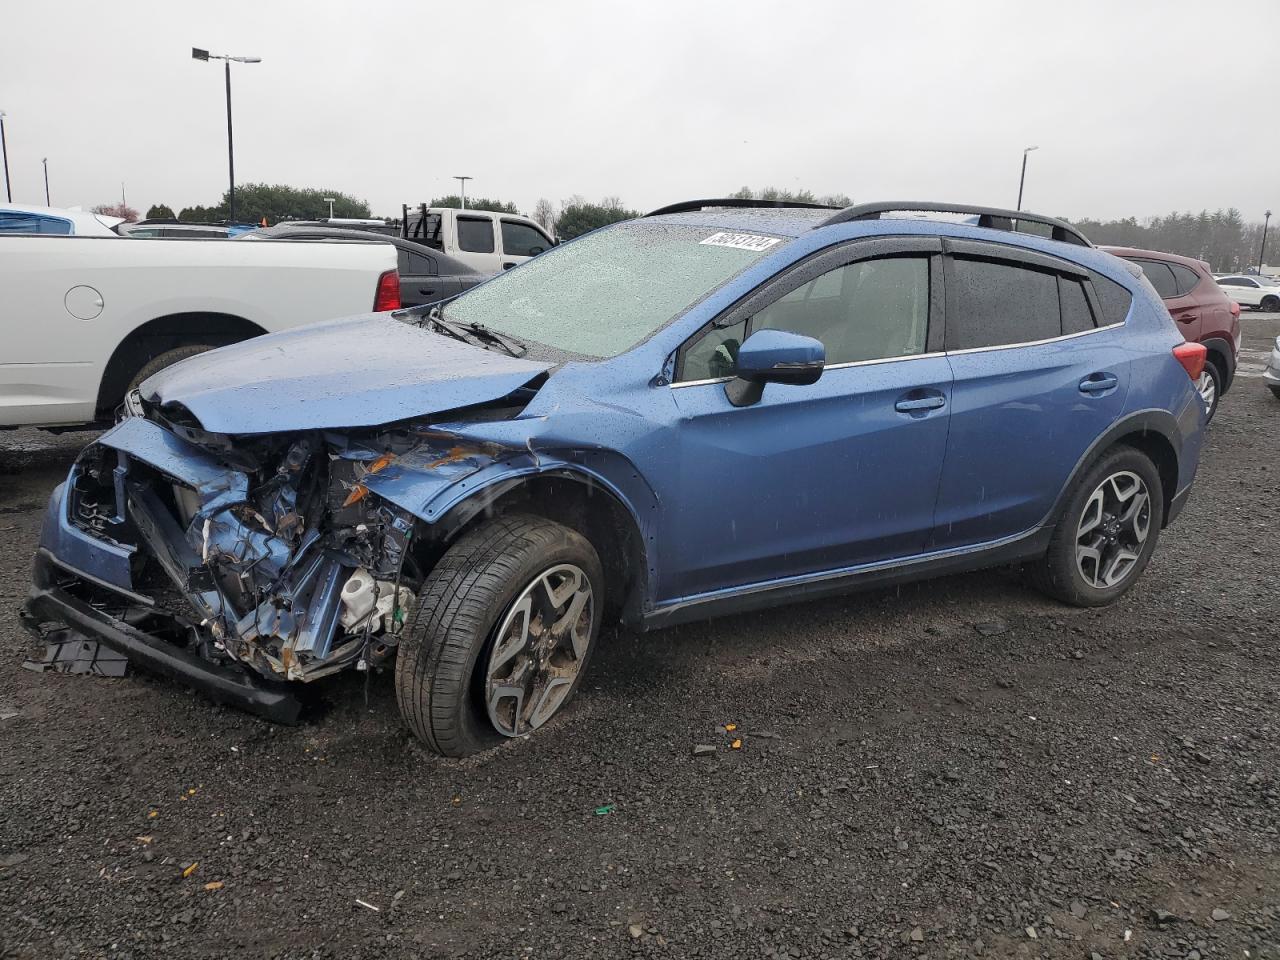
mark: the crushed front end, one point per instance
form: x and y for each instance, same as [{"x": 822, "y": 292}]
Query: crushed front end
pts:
[{"x": 236, "y": 563}]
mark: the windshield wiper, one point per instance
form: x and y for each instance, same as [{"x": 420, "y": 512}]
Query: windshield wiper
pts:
[
  {"x": 433, "y": 320},
  {"x": 506, "y": 342}
]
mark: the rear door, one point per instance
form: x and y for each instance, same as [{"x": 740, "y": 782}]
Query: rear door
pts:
[
  {"x": 1040, "y": 371},
  {"x": 420, "y": 280},
  {"x": 1184, "y": 308},
  {"x": 477, "y": 241}
]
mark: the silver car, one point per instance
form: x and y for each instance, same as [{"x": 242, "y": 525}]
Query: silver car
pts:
[{"x": 1271, "y": 375}]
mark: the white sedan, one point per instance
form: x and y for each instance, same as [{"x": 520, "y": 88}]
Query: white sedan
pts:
[
  {"x": 1262, "y": 293},
  {"x": 21, "y": 219}
]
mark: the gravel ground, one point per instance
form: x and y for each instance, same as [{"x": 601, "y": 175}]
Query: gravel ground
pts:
[{"x": 949, "y": 769}]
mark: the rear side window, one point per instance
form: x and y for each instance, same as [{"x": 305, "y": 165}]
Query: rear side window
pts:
[
  {"x": 1187, "y": 278},
  {"x": 1112, "y": 298},
  {"x": 416, "y": 264},
  {"x": 521, "y": 240},
  {"x": 1000, "y": 303},
  {"x": 475, "y": 234},
  {"x": 1077, "y": 317},
  {"x": 1161, "y": 278},
  {"x": 28, "y": 223}
]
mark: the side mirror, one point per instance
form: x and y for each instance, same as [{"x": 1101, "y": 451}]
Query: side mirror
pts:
[{"x": 774, "y": 356}]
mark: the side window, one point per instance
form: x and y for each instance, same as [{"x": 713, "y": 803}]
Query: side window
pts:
[
  {"x": 522, "y": 240},
  {"x": 475, "y": 234},
  {"x": 1246, "y": 282},
  {"x": 1161, "y": 278},
  {"x": 1187, "y": 278},
  {"x": 1076, "y": 315},
  {"x": 425, "y": 230},
  {"x": 1112, "y": 298},
  {"x": 868, "y": 310},
  {"x": 1000, "y": 303},
  {"x": 28, "y": 223},
  {"x": 416, "y": 264},
  {"x": 714, "y": 355},
  {"x": 1229, "y": 282}
]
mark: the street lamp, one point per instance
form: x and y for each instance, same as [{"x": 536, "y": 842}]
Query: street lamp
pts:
[
  {"x": 45, "y": 161},
  {"x": 4, "y": 152},
  {"x": 329, "y": 201},
  {"x": 1023, "y": 179},
  {"x": 198, "y": 54},
  {"x": 462, "y": 181},
  {"x": 1265, "y": 223}
]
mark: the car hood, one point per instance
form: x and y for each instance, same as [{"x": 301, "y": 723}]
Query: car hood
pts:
[{"x": 355, "y": 372}]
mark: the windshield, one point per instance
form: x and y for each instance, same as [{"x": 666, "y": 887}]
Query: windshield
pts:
[{"x": 605, "y": 292}]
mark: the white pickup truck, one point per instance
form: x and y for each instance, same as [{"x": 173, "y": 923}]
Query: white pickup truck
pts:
[
  {"x": 82, "y": 319},
  {"x": 483, "y": 240}
]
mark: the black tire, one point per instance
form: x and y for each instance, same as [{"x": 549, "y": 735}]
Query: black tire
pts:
[
  {"x": 444, "y": 655},
  {"x": 1275, "y": 392},
  {"x": 1269, "y": 304},
  {"x": 1211, "y": 370},
  {"x": 1058, "y": 573},
  {"x": 166, "y": 359}
]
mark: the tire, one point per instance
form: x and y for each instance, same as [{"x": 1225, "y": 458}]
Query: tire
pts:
[
  {"x": 166, "y": 359},
  {"x": 1061, "y": 574},
  {"x": 1210, "y": 388},
  {"x": 1269, "y": 304},
  {"x": 445, "y": 668},
  {"x": 1275, "y": 392}
]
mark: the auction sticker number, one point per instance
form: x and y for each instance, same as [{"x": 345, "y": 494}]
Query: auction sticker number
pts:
[{"x": 741, "y": 241}]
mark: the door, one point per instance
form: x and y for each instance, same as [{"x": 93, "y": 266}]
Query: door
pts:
[
  {"x": 476, "y": 241},
  {"x": 420, "y": 282},
  {"x": 1039, "y": 373},
  {"x": 520, "y": 241},
  {"x": 820, "y": 477},
  {"x": 1184, "y": 309}
]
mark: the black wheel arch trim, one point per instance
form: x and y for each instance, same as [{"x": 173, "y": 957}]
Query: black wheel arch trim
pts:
[{"x": 1216, "y": 345}]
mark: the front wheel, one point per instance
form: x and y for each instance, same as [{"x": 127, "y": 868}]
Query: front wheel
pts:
[
  {"x": 1105, "y": 536},
  {"x": 166, "y": 359},
  {"x": 506, "y": 622}
]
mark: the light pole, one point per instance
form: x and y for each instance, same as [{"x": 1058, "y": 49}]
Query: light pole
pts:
[
  {"x": 1265, "y": 223},
  {"x": 462, "y": 181},
  {"x": 4, "y": 152},
  {"x": 329, "y": 201},
  {"x": 198, "y": 54},
  {"x": 1023, "y": 179},
  {"x": 47, "y": 201}
]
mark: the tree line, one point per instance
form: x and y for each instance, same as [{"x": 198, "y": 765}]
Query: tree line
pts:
[{"x": 1222, "y": 239}]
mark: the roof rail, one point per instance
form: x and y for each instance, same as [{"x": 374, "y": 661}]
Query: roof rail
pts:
[
  {"x": 686, "y": 205},
  {"x": 992, "y": 217}
]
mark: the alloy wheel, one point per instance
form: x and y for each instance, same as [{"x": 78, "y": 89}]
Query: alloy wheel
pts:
[
  {"x": 539, "y": 649},
  {"x": 1113, "y": 529},
  {"x": 1208, "y": 388}
]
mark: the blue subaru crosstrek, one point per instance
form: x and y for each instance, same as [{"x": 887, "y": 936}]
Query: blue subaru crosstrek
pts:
[{"x": 722, "y": 406}]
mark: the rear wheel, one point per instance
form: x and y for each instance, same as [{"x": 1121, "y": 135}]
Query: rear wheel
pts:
[
  {"x": 1105, "y": 536},
  {"x": 1210, "y": 388},
  {"x": 1270, "y": 304},
  {"x": 166, "y": 359},
  {"x": 505, "y": 625}
]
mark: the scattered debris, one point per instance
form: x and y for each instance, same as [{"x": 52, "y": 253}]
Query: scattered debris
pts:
[
  {"x": 1031, "y": 933},
  {"x": 916, "y": 935},
  {"x": 68, "y": 652},
  {"x": 736, "y": 745},
  {"x": 143, "y": 839},
  {"x": 1163, "y": 917},
  {"x": 213, "y": 885},
  {"x": 992, "y": 628},
  {"x": 703, "y": 749},
  {"x": 635, "y": 930},
  {"x": 368, "y": 906},
  {"x": 188, "y": 871},
  {"x": 604, "y": 810},
  {"x": 1219, "y": 915},
  {"x": 1079, "y": 910}
]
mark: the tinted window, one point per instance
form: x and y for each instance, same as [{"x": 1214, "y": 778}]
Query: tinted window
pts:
[
  {"x": 1186, "y": 277},
  {"x": 1112, "y": 298},
  {"x": 1161, "y": 278},
  {"x": 870, "y": 310},
  {"x": 475, "y": 234},
  {"x": 713, "y": 355},
  {"x": 16, "y": 222},
  {"x": 1000, "y": 303},
  {"x": 1076, "y": 315},
  {"x": 416, "y": 264},
  {"x": 521, "y": 240},
  {"x": 1229, "y": 282},
  {"x": 425, "y": 230}
]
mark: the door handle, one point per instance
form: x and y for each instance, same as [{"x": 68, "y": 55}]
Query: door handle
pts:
[
  {"x": 426, "y": 291},
  {"x": 916, "y": 404},
  {"x": 1098, "y": 383},
  {"x": 508, "y": 265}
]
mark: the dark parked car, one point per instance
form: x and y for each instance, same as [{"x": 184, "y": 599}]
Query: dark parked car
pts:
[
  {"x": 1203, "y": 311},
  {"x": 715, "y": 408},
  {"x": 426, "y": 276}
]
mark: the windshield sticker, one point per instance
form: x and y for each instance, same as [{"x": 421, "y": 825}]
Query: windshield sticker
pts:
[{"x": 741, "y": 241}]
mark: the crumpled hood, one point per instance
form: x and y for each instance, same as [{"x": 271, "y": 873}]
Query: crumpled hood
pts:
[{"x": 354, "y": 372}]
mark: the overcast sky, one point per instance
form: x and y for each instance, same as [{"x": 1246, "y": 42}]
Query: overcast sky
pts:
[{"x": 1138, "y": 108}]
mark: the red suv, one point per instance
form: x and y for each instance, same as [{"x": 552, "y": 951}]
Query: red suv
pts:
[{"x": 1205, "y": 314}]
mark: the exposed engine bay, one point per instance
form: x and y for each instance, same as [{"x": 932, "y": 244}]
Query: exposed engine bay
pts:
[{"x": 270, "y": 549}]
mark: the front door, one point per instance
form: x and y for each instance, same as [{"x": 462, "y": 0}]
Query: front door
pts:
[{"x": 821, "y": 477}]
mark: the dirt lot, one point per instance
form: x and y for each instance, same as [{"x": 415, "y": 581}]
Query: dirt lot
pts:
[{"x": 950, "y": 769}]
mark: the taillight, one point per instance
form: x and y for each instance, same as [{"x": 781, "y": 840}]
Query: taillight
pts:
[
  {"x": 1235, "y": 310},
  {"x": 1192, "y": 357},
  {"x": 387, "y": 296}
]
